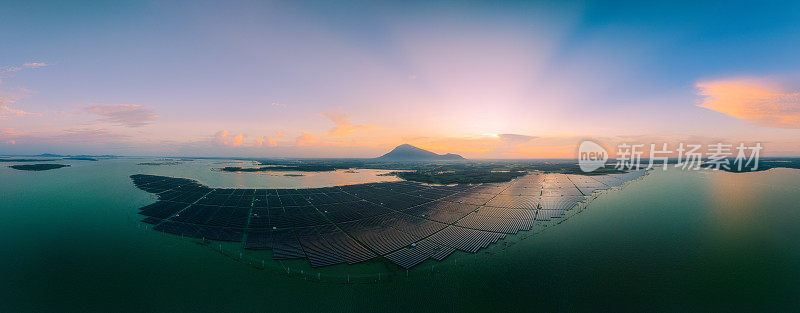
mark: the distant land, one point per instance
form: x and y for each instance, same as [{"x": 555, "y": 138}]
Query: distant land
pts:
[
  {"x": 80, "y": 158},
  {"x": 25, "y": 160},
  {"x": 406, "y": 152},
  {"x": 401, "y": 153},
  {"x": 53, "y": 157},
  {"x": 74, "y": 157}
]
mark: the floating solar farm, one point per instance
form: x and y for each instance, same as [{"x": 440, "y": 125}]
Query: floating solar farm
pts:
[{"x": 403, "y": 222}]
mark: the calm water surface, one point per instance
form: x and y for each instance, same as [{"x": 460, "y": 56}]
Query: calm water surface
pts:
[{"x": 70, "y": 240}]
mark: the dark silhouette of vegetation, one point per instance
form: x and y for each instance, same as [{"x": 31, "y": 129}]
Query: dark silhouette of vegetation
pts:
[
  {"x": 763, "y": 165},
  {"x": 37, "y": 167},
  {"x": 459, "y": 177}
]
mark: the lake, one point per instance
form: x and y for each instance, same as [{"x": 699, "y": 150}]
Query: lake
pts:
[{"x": 671, "y": 241}]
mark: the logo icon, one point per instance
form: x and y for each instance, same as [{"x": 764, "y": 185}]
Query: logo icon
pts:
[{"x": 591, "y": 156}]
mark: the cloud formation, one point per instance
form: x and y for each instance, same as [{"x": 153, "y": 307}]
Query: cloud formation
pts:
[
  {"x": 7, "y": 135},
  {"x": 9, "y": 71},
  {"x": 308, "y": 139},
  {"x": 34, "y": 64},
  {"x": 130, "y": 115},
  {"x": 486, "y": 145},
  {"x": 343, "y": 126},
  {"x": 8, "y": 132},
  {"x": 221, "y": 138},
  {"x": 515, "y": 138},
  {"x": 261, "y": 141},
  {"x": 762, "y": 102},
  {"x": 8, "y": 98},
  {"x": 7, "y": 111}
]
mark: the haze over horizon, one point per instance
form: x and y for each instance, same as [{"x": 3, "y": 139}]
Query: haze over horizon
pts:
[{"x": 302, "y": 79}]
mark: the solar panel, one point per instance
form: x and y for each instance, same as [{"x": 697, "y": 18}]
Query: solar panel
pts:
[
  {"x": 258, "y": 239},
  {"x": 495, "y": 224},
  {"x": 515, "y": 202},
  {"x": 405, "y": 222},
  {"x": 410, "y": 255},
  {"x": 317, "y": 249},
  {"x": 286, "y": 246},
  {"x": 442, "y": 211},
  {"x": 465, "y": 239}
]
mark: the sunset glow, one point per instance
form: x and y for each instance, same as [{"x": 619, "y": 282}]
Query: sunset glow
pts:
[{"x": 283, "y": 79}]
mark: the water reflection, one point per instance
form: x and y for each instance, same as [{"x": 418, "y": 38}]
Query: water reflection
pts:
[{"x": 208, "y": 173}]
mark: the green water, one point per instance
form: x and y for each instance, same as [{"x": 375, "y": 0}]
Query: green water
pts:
[{"x": 672, "y": 241}]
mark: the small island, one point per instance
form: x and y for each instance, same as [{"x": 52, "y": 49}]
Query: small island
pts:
[{"x": 37, "y": 167}]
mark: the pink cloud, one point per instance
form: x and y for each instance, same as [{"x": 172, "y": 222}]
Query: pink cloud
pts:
[
  {"x": 130, "y": 115},
  {"x": 759, "y": 101},
  {"x": 8, "y": 132},
  {"x": 34, "y": 64},
  {"x": 309, "y": 139},
  {"x": 8, "y": 103},
  {"x": 265, "y": 140},
  {"x": 343, "y": 126},
  {"x": 6, "y": 111},
  {"x": 222, "y": 138},
  {"x": 237, "y": 140}
]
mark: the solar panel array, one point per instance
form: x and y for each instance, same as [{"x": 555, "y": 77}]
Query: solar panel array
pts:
[{"x": 404, "y": 222}]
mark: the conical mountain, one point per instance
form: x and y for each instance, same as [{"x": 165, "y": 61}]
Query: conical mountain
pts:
[{"x": 406, "y": 152}]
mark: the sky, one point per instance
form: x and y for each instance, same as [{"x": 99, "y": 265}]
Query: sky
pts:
[{"x": 355, "y": 79}]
